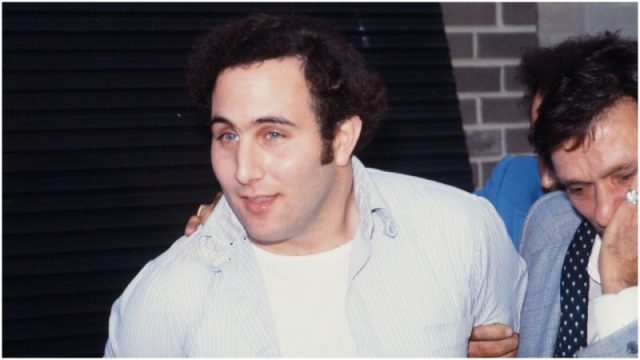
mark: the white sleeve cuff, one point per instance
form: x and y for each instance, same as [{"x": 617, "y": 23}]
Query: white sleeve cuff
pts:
[{"x": 614, "y": 311}]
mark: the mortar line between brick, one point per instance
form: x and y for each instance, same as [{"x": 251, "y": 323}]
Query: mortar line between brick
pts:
[
  {"x": 503, "y": 141},
  {"x": 478, "y": 110},
  {"x": 474, "y": 45},
  {"x": 499, "y": 15}
]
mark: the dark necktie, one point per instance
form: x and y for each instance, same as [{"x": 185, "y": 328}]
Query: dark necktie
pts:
[{"x": 574, "y": 293}]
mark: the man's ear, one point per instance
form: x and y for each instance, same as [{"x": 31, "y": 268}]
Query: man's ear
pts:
[
  {"x": 346, "y": 138},
  {"x": 547, "y": 177}
]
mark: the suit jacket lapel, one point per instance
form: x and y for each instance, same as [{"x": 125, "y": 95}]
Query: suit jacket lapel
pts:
[{"x": 546, "y": 238}]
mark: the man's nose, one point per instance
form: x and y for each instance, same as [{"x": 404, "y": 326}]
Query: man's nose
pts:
[
  {"x": 248, "y": 163},
  {"x": 608, "y": 198}
]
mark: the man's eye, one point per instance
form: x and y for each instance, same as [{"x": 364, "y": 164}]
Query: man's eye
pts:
[
  {"x": 273, "y": 135},
  {"x": 626, "y": 177},
  {"x": 227, "y": 137},
  {"x": 575, "y": 191}
]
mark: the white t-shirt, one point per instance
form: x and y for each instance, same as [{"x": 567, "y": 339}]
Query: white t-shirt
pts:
[{"x": 307, "y": 298}]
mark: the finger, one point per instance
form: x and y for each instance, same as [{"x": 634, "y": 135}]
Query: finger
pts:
[
  {"x": 511, "y": 354},
  {"x": 624, "y": 218},
  {"x": 204, "y": 211},
  {"x": 192, "y": 225},
  {"x": 491, "y": 332},
  {"x": 496, "y": 348}
]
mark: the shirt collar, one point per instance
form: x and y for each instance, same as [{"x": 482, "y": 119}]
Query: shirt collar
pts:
[
  {"x": 220, "y": 236},
  {"x": 592, "y": 266},
  {"x": 370, "y": 202}
]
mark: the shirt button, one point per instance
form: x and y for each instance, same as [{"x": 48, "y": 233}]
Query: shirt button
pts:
[{"x": 632, "y": 347}]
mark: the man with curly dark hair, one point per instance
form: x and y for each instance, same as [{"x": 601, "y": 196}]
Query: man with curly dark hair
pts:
[
  {"x": 309, "y": 253},
  {"x": 580, "y": 243},
  {"x": 518, "y": 181}
]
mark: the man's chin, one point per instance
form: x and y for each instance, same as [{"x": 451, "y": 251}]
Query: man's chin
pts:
[
  {"x": 265, "y": 242},
  {"x": 255, "y": 227},
  {"x": 264, "y": 236}
]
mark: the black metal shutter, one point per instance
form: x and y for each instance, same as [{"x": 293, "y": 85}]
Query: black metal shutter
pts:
[{"x": 105, "y": 156}]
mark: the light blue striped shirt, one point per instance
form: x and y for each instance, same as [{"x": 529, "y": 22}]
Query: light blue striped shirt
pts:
[{"x": 428, "y": 262}]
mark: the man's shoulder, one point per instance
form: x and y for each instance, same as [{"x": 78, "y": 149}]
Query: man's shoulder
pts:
[
  {"x": 182, "y": 251},
  {"x": 517, "y": 165},
  {"x": 172, "y": 272},
  {"x": 388, "y": 188},
  {"x": 550, "y": 222},
  {"x": 553, "y": 204},
  {"x": 511, "y": 177},
  {"x": 405, "y": 195},
  {"x": 519, "y": 174},
  {"x": 152, "y": 314},
  {"x": 553, "y": 211},
  {"x": 402, "y": 185}
]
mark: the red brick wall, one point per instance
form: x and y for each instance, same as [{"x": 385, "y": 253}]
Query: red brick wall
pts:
[{"x": 486, "y": 41}]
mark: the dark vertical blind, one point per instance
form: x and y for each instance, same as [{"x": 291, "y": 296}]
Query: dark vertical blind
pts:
[{"x": 105, "y": 156}]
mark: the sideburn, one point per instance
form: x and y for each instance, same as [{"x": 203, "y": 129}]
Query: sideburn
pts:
[
  {"x": 327, "y": 151},
  {"x": 327, "y": 135}
]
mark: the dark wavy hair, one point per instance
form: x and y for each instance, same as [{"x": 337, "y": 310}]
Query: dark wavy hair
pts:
[
  {"x": 541, "y": 67},
  {"x": 340, "y": 83},
  {"x": 585, "y": 88}
]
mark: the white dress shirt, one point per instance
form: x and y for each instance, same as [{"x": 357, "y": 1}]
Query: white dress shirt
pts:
[
  {"x": 428, "y": 262},
  {"x": 608, "y": 313}
]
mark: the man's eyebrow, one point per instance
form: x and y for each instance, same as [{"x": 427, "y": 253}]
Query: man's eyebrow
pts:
[
  {"x": 263, "y": 120},
  {"x": 623, "y": 168},
  {"x": 219, "y": 119},
  {"x": 273, "y": 120},
  {"x": 569, "y": 183},
  {"x": 620, "y": 168}
]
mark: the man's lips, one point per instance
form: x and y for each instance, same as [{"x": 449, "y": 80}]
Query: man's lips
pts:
[{"x": 258, "y": 204}]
